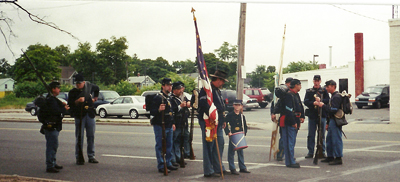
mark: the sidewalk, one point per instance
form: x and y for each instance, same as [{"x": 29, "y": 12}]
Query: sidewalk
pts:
[{"x": 354, "y": 124}]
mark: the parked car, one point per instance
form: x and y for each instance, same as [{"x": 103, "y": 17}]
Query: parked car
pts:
[
  {"x": 131, "y": 106},
  {"x": 32, "y": 108},
  {"x": 230, "y": 95},
  {"x": 376, "y": 96},
  {"x": 105, "y": 97},
  {"x": 258, "y": 94}
]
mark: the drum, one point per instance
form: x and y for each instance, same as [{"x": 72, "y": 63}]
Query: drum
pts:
[{"x": 238, "y": 141}]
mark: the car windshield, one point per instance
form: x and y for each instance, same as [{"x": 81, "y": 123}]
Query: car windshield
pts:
[
  {"x": 110, "y": 95},
  {"x": 245, "y": 97},
  {"x": 374, "y": 90},
  {"x": 265, "y": 92}
]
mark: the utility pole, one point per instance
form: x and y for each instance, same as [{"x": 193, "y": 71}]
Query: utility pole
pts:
[{"x": 240, "y": 65}]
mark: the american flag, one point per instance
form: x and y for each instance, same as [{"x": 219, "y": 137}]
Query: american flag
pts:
[{"x": 212, "y": 119}]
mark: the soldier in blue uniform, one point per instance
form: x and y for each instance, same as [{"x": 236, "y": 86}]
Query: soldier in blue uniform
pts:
[
  {"x": 81, "y": 100},
  {"x": 52, "y": 126},
  {"x": 281, "y": 153},
  {"x": 211, "y": 165},
  {"x": 162, "y": 102},
  {"x": 311, "y": 100},
  {"x": 334, "y": 142},
  {"x": 179, "y": 106},
  {"x": 237, "y": 123},
  {"x": 294, "y": 115}
]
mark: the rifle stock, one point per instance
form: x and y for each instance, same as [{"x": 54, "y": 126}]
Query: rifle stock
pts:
[
  {"x": 195, "y": 104},
  {"x": 164, "y": 140},
  {"x": 182, "y": 160}
]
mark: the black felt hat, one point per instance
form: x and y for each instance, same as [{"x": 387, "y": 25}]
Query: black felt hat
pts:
[
  {"x": 294, "y": 82},
  {"x": 220, "y": 74},
  {"x": 237, "y": 101},
  {"x": 317, "y": 77},
  {"x": 330, "y": 82},
  {"x": 177, "y": 85},
  {"x": 79, "y": 78},
  {"x": 288, "y": 79}
]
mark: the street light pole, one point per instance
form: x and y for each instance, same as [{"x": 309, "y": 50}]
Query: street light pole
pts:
[{"x": 314, "y": 58}]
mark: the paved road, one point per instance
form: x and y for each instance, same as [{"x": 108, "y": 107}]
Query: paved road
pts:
[{"x": 126, "y": 153}]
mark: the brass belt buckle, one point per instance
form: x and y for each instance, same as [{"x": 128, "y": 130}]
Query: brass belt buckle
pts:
[{"x": 86, "y": 107}]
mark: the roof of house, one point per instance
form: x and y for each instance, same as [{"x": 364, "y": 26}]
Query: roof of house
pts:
[
  {"x": 139, "y": 79},
  {"x": 4, "y": 80},
  {"x": 67, "y": 71}
]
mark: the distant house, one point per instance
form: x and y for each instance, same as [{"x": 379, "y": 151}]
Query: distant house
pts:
[
  {"x": 6, "y": 86},
  {"x": 67, "y": 74},
  {"x": 141, "y": 81}
]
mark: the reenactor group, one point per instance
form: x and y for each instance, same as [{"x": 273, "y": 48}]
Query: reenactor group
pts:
[
  {"x": 321, "y": 110},
  {"x": 169, "y": 115}
]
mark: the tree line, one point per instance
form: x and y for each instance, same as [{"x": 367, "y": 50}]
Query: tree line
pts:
[{"x": 108, "y": 64}]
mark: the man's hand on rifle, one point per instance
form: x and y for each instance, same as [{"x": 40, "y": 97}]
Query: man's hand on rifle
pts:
[
  {"x": 295, "y": 126},
  {"x": 229, "y": 134},
  {"x": 301, "y": 120},
  {"x": 161, "y": 108},
  {"x": 81, "y": 99},
  {"x": 94, "y": 99},
  {"x": 173, "y": 127},
  {"x": 223, "y": 125},
  {"x": 321, "y": 104},
  {"x": 183, "y": 104},
  {"x": 66, "y": 106},
  {"x": 188, "y": 104},
  {"x": 326, "y": 127},
  {"x": 273, "y": 117}
]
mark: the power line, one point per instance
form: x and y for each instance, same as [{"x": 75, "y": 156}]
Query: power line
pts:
[{"x": 359, "y": 14}]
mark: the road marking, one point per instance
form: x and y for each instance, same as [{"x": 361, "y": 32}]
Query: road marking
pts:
[{"x": 353, "y": 171}]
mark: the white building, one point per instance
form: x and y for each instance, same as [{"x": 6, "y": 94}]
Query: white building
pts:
[
  {"x": 141, "y": 81},
  {"x": 375, "y": 72},
  {"x": 6, "y": 85}
]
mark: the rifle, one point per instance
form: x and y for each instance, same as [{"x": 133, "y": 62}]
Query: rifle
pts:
[
  {"x": 195, "y": 106},
  {"x": 38, "y": 74},
  {"x": 182, "y": 160},
  {"x": 318, "y": 153},
  {"x": 164, "y": 140}
]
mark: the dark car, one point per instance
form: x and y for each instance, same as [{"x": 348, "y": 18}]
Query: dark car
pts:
[
  {"x": 32, "y": 108},
  {"x": 105, "y": 97},
  {"x": 376, "y": 96},
  {"x": 230, "y": 95}
]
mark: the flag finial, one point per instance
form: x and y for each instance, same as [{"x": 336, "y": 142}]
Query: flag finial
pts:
[{"x": 193, "y": 10}]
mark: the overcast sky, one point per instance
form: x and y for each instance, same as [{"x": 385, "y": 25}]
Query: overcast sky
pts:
[{"x": 166, "y": 29}]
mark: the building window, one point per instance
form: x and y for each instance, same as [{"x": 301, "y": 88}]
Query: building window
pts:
[{"x": 5, "y": 86}]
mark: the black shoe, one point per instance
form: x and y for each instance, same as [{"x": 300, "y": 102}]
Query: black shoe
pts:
[
  {"x": 244, "y": 171},
  {"x": 309, "y": 156},
  {"x": 52, "y": 170},
  {"x": 93, "y": 160},
  {"x": 328, "y": 159},
  {"x": 79, "y": 162},
  {"x": 175, "y": 164},
  {"x": 296, "y": 165},
  {"x": 162, "y": 171},
  {"x": 234, "y": 172},
  {"x": 279, "y": 159},
  {"x": 225, "y": 171},
  {"x": 336, "y": 161},
  {"x": 172, "y": 168},
  {"x": 211, "y": 175},
  {"x": 58, "y": 167}
]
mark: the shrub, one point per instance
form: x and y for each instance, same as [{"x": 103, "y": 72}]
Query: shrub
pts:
[{"x": 29, "y": 89}]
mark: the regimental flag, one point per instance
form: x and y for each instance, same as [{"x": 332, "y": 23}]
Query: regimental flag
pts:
[{"x": 211, "y": 119}]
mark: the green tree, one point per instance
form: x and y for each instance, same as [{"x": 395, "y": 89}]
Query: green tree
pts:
[
  {"x": 44, "y": 58},
  {"x": 29, "y": 89},
  {"x": 112, "y": 55},
  {"x": 125, "y": 88},
  {"x": 261, "y": 78},
  {"x": 187, "y": 66},
  {"x": 4, "y": 68},
  {"x": 211, "y": 61},
  {"x": 300, "y": 66},
  {"x": 84, "y": 61},
  {"x": 188, "y": 81},
  {"x": 64, "y": 55},
  {"x": 227, "y": 52}
]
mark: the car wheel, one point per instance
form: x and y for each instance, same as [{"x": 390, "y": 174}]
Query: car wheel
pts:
[
  {"x": 359, "y": 107},
  {"x": 103, "y": 113},
  {"x": 378, "y": 105},
  {"x": 119, "y": 116},
  {"x": 133, "y": 114},
  {"x": 33, "y": 112}
]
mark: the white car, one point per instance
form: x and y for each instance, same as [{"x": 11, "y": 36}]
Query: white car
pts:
[{"x": 131, "y": 106}]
